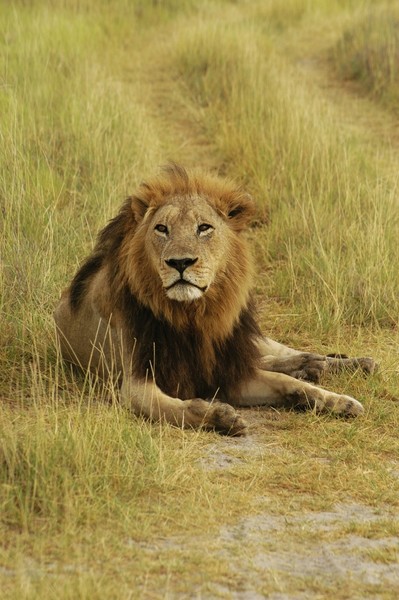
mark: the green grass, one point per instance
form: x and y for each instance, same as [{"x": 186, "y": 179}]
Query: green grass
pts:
[{"x": 94, "y": 96}]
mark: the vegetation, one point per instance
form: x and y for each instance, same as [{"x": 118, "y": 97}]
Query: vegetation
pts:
[
  {"x": 310, "y": 173},
  {"x": 94, "y": 96},
  {"x": 368, "y": 53}
]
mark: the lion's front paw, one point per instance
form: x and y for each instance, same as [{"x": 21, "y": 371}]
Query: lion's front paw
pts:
[
  {"x": 216, "y": 416},
  {"x": 228, "y": 421},
  {"x": 225, "y": 419}
]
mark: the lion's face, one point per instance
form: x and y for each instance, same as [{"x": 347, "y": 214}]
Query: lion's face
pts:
[
  {"x": 187, "y": 242},
  {"x": 184, "y": 253}
]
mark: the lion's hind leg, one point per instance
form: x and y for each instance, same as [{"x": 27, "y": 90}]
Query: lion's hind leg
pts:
[
  {"x": 307, "y": 365},
  {"x": 302, "y": 365},
  {"x": 144, "y": 398},
  {"x": 341, "y": 362}
]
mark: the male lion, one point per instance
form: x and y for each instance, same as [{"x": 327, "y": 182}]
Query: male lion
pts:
[{"x": 164, "y": 304}]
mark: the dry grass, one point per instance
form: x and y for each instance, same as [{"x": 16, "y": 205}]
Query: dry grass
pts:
[
  {"x": 281, "y": 137},
  {"x": 368, "y": 53},
  {"x": 95, "y": 503}
]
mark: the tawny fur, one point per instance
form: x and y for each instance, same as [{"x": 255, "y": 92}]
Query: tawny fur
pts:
[{"x": 166, "y": 296}]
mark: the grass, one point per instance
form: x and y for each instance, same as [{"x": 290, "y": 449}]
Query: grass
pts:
[
  {"x": 94, "y": 96},
  {"x": 307, "y": 172},
  {"x": 368, "y": 53}
]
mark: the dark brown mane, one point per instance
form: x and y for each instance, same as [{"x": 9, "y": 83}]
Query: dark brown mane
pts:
[
  {"x": 176, "y": 358},
  {"x": 107, "y": 246}
]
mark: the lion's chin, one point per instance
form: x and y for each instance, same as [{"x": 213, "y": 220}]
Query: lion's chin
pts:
[{"x": 183, "y": 292}]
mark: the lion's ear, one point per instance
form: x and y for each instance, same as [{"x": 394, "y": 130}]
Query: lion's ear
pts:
[
  {"x": 139, "y": 208},
  {"x": 240, "y": 211}
]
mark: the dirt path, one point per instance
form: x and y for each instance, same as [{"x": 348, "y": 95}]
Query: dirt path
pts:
[
  {"x": 183, "y": 137},
  {"x": 268, "y": 550},
  {"x": 310, "y": 51}
]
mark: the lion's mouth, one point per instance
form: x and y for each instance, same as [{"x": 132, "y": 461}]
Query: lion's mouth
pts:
[{"x": 184, "y": 282}]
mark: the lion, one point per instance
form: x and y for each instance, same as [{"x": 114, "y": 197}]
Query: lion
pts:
[{"x": 164, "y": 306}]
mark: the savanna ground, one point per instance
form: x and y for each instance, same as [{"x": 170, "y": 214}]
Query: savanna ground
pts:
[{"x": 299, "y": 101}]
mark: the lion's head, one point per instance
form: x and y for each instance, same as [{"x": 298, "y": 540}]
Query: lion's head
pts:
[{"x": 184, "y": 253}]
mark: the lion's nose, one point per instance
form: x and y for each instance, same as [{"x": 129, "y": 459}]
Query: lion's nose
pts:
[{"x": 181, "y": 264}]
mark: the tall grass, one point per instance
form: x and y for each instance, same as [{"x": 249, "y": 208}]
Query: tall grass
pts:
[
  {"x": 73, "y": 472},
  {"x": 368, "y": 53},
  {"x": 78, "y": 475},
  {"x": 76, "y": 137},
  {"x": 333, "y": 219},
  {"x": 74, "y": 142}
]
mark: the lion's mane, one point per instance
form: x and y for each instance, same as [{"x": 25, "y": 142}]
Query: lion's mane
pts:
[{"x": 194, "y": 349}]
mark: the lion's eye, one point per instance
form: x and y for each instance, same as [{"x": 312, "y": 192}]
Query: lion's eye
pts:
[
  {"x": 161, "y": 228},
  {"x": 204, "y": 227}
]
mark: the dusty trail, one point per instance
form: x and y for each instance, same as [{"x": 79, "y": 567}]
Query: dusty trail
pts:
[
  {"x": 309, "y": 51},
  {"x": 183, "y": 137},
  {"x": 358, "y": 114}
]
